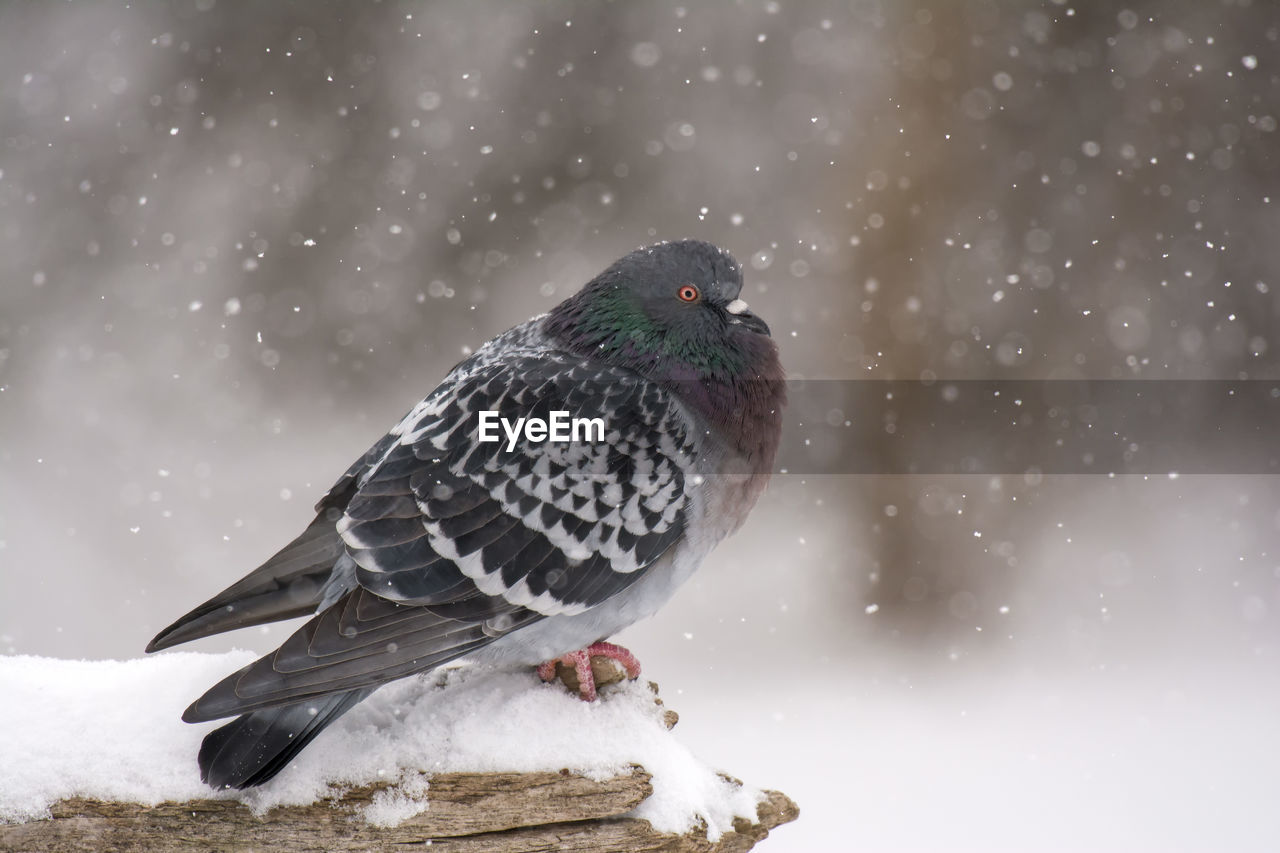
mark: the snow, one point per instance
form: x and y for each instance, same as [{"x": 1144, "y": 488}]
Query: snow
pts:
[
  {"x": 878, "y": 223},
  {"x": 111, "y": 730}
]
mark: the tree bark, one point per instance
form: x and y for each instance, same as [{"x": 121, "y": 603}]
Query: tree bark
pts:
[{"x": 468, "y": 813}]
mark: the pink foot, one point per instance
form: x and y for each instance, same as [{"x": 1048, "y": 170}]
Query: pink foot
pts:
[
  {"x": 623, "y": 656},
  {"x": 581, "y": 663}
]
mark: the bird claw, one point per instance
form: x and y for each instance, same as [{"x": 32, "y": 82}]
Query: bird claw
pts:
[
  {"x": 616, "y": 653},
  {"x": 579, "y": 663}
]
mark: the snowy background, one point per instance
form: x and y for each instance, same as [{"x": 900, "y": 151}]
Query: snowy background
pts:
[{"x": 236, "y": 244}]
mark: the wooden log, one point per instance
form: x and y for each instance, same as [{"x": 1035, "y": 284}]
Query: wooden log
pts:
[
  {"x": 460, "y": 804},
  {"x": 468, "y": 813}
]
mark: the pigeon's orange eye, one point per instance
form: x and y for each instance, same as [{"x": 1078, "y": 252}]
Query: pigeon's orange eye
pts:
[{"x": 688, "y": 293}]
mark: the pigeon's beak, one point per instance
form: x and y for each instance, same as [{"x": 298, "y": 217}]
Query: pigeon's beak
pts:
[{"x": 740, "y": 316}]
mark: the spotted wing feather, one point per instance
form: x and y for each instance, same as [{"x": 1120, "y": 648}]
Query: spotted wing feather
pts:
[{"x": 552, "y": 527}]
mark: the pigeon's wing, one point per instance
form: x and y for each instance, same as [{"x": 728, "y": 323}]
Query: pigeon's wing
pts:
[
  {"x": 362, "y": 641},
  {"x": 458, "y": 542},
  {"x": 290, "y": 584},
  {"x": 556, "y": 527}
]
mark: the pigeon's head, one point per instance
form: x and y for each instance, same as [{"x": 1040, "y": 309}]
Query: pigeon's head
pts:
[{"x": 672, "y": 309}]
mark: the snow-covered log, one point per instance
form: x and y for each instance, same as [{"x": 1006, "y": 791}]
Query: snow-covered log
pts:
[
  {"x": 92, "y": 758},
  {"x": 491, "y": 812}
]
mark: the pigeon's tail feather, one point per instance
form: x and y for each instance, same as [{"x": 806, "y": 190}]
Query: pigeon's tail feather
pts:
[
  {"x": 290, "y": 584},
  {"x": 255, "y": 747}
]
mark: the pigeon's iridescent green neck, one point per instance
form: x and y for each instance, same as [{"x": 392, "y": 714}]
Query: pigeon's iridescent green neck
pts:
[
  {"x": 732, "y": 378},
  {"x": 611, "y": 327}
]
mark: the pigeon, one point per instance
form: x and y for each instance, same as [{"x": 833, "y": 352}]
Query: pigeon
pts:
[{"x": 437, "y": 546}]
